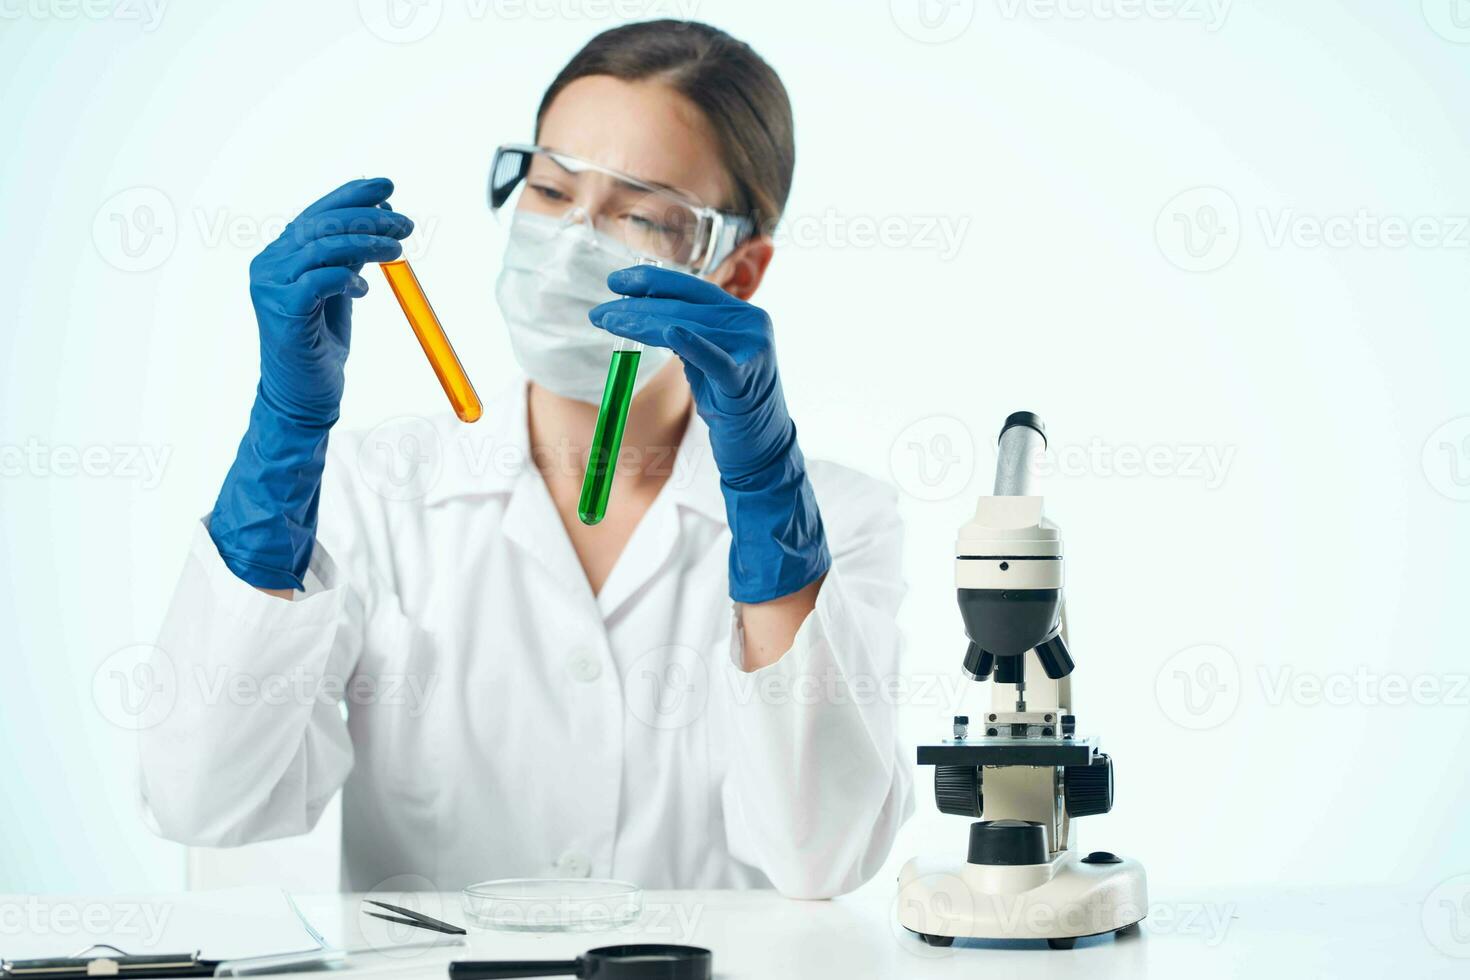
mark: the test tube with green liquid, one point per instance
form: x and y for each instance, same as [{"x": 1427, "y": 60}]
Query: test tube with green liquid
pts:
[{"x": 612, "y": 418}]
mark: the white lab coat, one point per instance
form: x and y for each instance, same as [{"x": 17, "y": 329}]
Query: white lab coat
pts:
[{"x": 487, "y": 716}]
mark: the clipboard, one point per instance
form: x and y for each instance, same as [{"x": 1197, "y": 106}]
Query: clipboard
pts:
[{"x": 111, "y": 962}]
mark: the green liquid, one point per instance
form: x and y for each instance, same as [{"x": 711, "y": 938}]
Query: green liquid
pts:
[{"x": 607, "y": 438}]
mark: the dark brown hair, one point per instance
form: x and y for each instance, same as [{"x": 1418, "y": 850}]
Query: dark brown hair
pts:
[{"x": 740, "y": 95}]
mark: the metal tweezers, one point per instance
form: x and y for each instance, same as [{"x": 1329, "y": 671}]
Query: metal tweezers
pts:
[{"x": 415, "y": 919}]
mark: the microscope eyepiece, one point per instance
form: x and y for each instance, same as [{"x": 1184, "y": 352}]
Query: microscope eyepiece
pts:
[{"x": 1030, "y": 419}]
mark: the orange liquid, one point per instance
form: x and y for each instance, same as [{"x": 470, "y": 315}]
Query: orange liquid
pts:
[{"x": 433, "y": 340}]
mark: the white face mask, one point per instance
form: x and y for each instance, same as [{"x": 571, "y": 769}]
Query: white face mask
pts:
[{"x": 554, "y": 272}]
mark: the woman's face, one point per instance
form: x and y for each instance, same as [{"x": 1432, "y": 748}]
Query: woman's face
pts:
[{"x": 644, "y": 129}]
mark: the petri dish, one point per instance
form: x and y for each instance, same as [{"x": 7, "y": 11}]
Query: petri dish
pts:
[{"x": 551, "y": 904}]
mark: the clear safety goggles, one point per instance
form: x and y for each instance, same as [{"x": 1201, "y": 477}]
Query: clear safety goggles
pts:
[{"x": 651, "y": 221}]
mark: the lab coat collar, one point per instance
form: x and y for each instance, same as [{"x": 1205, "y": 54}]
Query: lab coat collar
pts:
[
  {"x": 488, "y": 457},
  {"x": 494, "y": 455}
]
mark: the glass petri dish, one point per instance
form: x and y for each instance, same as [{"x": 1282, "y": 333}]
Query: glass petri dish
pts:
[{"x": 551, "y": 904}]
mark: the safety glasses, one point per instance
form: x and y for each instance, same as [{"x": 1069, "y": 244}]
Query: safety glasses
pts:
[{"x": 650, "y": 220}]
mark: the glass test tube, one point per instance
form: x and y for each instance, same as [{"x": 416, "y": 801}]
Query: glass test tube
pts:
[
  {"x": 433, "y": 339},
  {"x": 612, "y": 418}
]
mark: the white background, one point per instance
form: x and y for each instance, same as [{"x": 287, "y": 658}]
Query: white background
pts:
[{"x": 1263, "y": 434}]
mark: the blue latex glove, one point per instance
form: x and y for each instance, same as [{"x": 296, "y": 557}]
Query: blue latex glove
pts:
[
  {"x": 302, "y": 285},
  {"x": 729, "y": 357}
]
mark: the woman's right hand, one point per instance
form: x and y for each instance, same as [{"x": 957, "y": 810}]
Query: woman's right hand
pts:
[{"x": 303, "y": 284}]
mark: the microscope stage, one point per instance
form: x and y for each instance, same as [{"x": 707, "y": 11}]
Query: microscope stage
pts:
[{"x": 1009, "y": 752}]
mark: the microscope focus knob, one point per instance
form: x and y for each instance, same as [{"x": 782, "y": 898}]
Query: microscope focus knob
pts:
[
  {"x": 1089, "y": 789},
  {"x": 957, "y": 790}
]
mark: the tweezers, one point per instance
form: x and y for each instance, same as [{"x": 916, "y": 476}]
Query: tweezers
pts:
[{"x": 415, "y": 919}]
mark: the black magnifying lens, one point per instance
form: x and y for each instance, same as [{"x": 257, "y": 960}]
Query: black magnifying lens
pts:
[{"x": 635, "y": 961}]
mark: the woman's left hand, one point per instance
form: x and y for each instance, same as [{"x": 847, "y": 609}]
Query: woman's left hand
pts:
[{"x": 729, "y": 358}]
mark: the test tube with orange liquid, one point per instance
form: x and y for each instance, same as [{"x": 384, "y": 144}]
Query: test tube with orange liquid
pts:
[{"x": 433, "y": 339}]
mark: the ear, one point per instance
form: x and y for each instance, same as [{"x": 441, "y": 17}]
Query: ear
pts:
[{"x": 741, "y": 273}]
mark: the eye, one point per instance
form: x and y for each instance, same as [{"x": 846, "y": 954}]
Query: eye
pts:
[
  {"x": 647, "y": 224},
  {"x": 548, "y": 193}
]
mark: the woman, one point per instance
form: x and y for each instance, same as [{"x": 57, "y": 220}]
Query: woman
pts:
[{"x": 687, "y": 694}]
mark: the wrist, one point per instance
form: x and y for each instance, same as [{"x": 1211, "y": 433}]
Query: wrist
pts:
[
  {"x": 293, "y": 422},
  {"x": 778, "y": 545},
  {"x": 264, "y": 520}
]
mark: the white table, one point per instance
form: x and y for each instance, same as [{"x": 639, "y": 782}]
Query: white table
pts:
[{"x": 762, "y": 935}]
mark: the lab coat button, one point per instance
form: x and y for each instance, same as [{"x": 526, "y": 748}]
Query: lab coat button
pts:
[
  {"x": 574, "y": 865},
  {"x": 585, "y": 667}
]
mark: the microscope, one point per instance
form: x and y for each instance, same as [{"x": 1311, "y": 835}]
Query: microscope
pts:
[{"x": 1019, "y": 767}]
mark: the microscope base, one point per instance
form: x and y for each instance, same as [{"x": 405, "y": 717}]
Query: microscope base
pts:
[{"x": 1060, "y": 901}]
